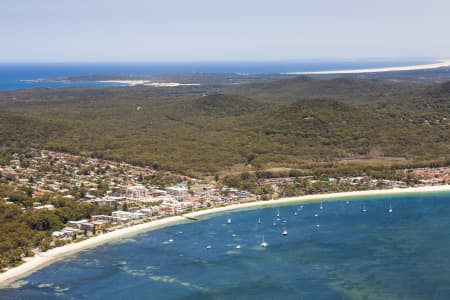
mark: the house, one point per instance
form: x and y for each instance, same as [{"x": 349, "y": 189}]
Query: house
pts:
[
  {"x": 87, "y": 226},
  {"x": 46, "y": 206},
  {"x": 76, "y": 224},
  {"x": 66, "y": 232},
  {"x": 108, "y": 200},
  {"x": 103, "y": 218}
]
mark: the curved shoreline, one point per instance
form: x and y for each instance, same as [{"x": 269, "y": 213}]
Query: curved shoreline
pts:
[
  {"x": 45, "y": 258},
  {"x": 442, "y": 64}
]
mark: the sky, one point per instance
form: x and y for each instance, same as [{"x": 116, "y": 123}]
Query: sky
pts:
[{"x": 227, "y": 30}]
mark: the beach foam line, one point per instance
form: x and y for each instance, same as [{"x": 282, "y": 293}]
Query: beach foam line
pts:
[
  {"x": 45, "y": 258},
  {"x": 442, "y": 64}
]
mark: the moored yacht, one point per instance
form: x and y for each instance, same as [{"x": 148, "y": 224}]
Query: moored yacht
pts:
[{"x": 263, "y": 243}]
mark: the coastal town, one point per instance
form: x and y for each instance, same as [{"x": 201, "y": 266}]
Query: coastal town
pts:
[
  {"x": 129, "y": 195},
  {"x": 224, "y": 150}
]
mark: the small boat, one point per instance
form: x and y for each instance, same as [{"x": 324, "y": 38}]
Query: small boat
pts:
[
  {"x": 170, "y": 241},
  {"x": 316, "y": 215},
  {"x": 321, "y": 205},
  {"x": 234, "y": 235},
  {"x": 274, "y": 223},
  {"x": 229, "y": 221},
  {"x": 259, "y": 221},
  {"x": 238, "y": 246},
  {"x": 278, "y": 213},
  {"x": 390, "y": 208},
  {"x": 295, "y": 213},
  {"x": 364, "y": 208},
  {"x": 263, "y": 243},
  {"x": 317, "y": 226},
  {"x": 208, "y": 247},
  {"x": 285, "y": 232},
  {"x": 347, "y": 202}
]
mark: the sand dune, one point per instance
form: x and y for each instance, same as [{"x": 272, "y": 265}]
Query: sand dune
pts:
[{"x": 442, "y": 64}]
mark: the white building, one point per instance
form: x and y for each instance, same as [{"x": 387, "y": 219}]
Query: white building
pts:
[
  {"x": 107, "y": 200},
  {"x": 178, "y": 190},
  {"x": 137, "y": 192},
  {"x": 124, "y": 216},
  {"x": 76, "y": 224},
  {"x": 150, "y": 211}
]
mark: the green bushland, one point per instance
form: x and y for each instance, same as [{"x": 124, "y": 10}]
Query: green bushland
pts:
[{"x": 294, "y": 123}]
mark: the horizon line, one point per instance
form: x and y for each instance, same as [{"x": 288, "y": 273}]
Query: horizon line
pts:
[{"x": 437, "y": 59}]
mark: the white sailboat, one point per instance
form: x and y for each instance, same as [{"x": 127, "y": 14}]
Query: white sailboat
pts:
[
  {"x": 278, "y": 213},
  {"x": 364, "y": 208},
  {"x": 229, "y": 221},
  {"x": 263, "y": 243},
  {"x": 238, "y": 246},
  {"x": 390, "y": 208},
  {"x": 321, "y": 204},
  {"x": 259, "y": 221},
  {"x": 208, "y": 247},
  {"x": 285, "y": 232}
]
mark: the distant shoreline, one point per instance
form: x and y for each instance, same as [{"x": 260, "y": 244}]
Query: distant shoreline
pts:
[
  {"x": 44, "y": 259},
  {"x": 442, "y": 64},
  {"x": 148, "y": 83}
]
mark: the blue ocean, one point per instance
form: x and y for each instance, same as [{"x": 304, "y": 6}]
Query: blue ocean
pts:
[
  {"x": 15, "y": 76},
  {"x": 360, "y": 250}
]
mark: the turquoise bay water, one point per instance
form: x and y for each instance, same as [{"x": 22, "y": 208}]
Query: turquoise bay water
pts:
[{"x": 353, "y": 255}]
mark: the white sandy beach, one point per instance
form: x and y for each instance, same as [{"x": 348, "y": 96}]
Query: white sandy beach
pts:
[
  {"x": 149, "y": 83},
  {"x": 43, "y": 259},
  {"x": 442, "y": 64}
]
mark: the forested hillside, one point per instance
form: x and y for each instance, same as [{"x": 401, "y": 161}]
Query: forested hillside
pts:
[{"x": 299, "y": 123}]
